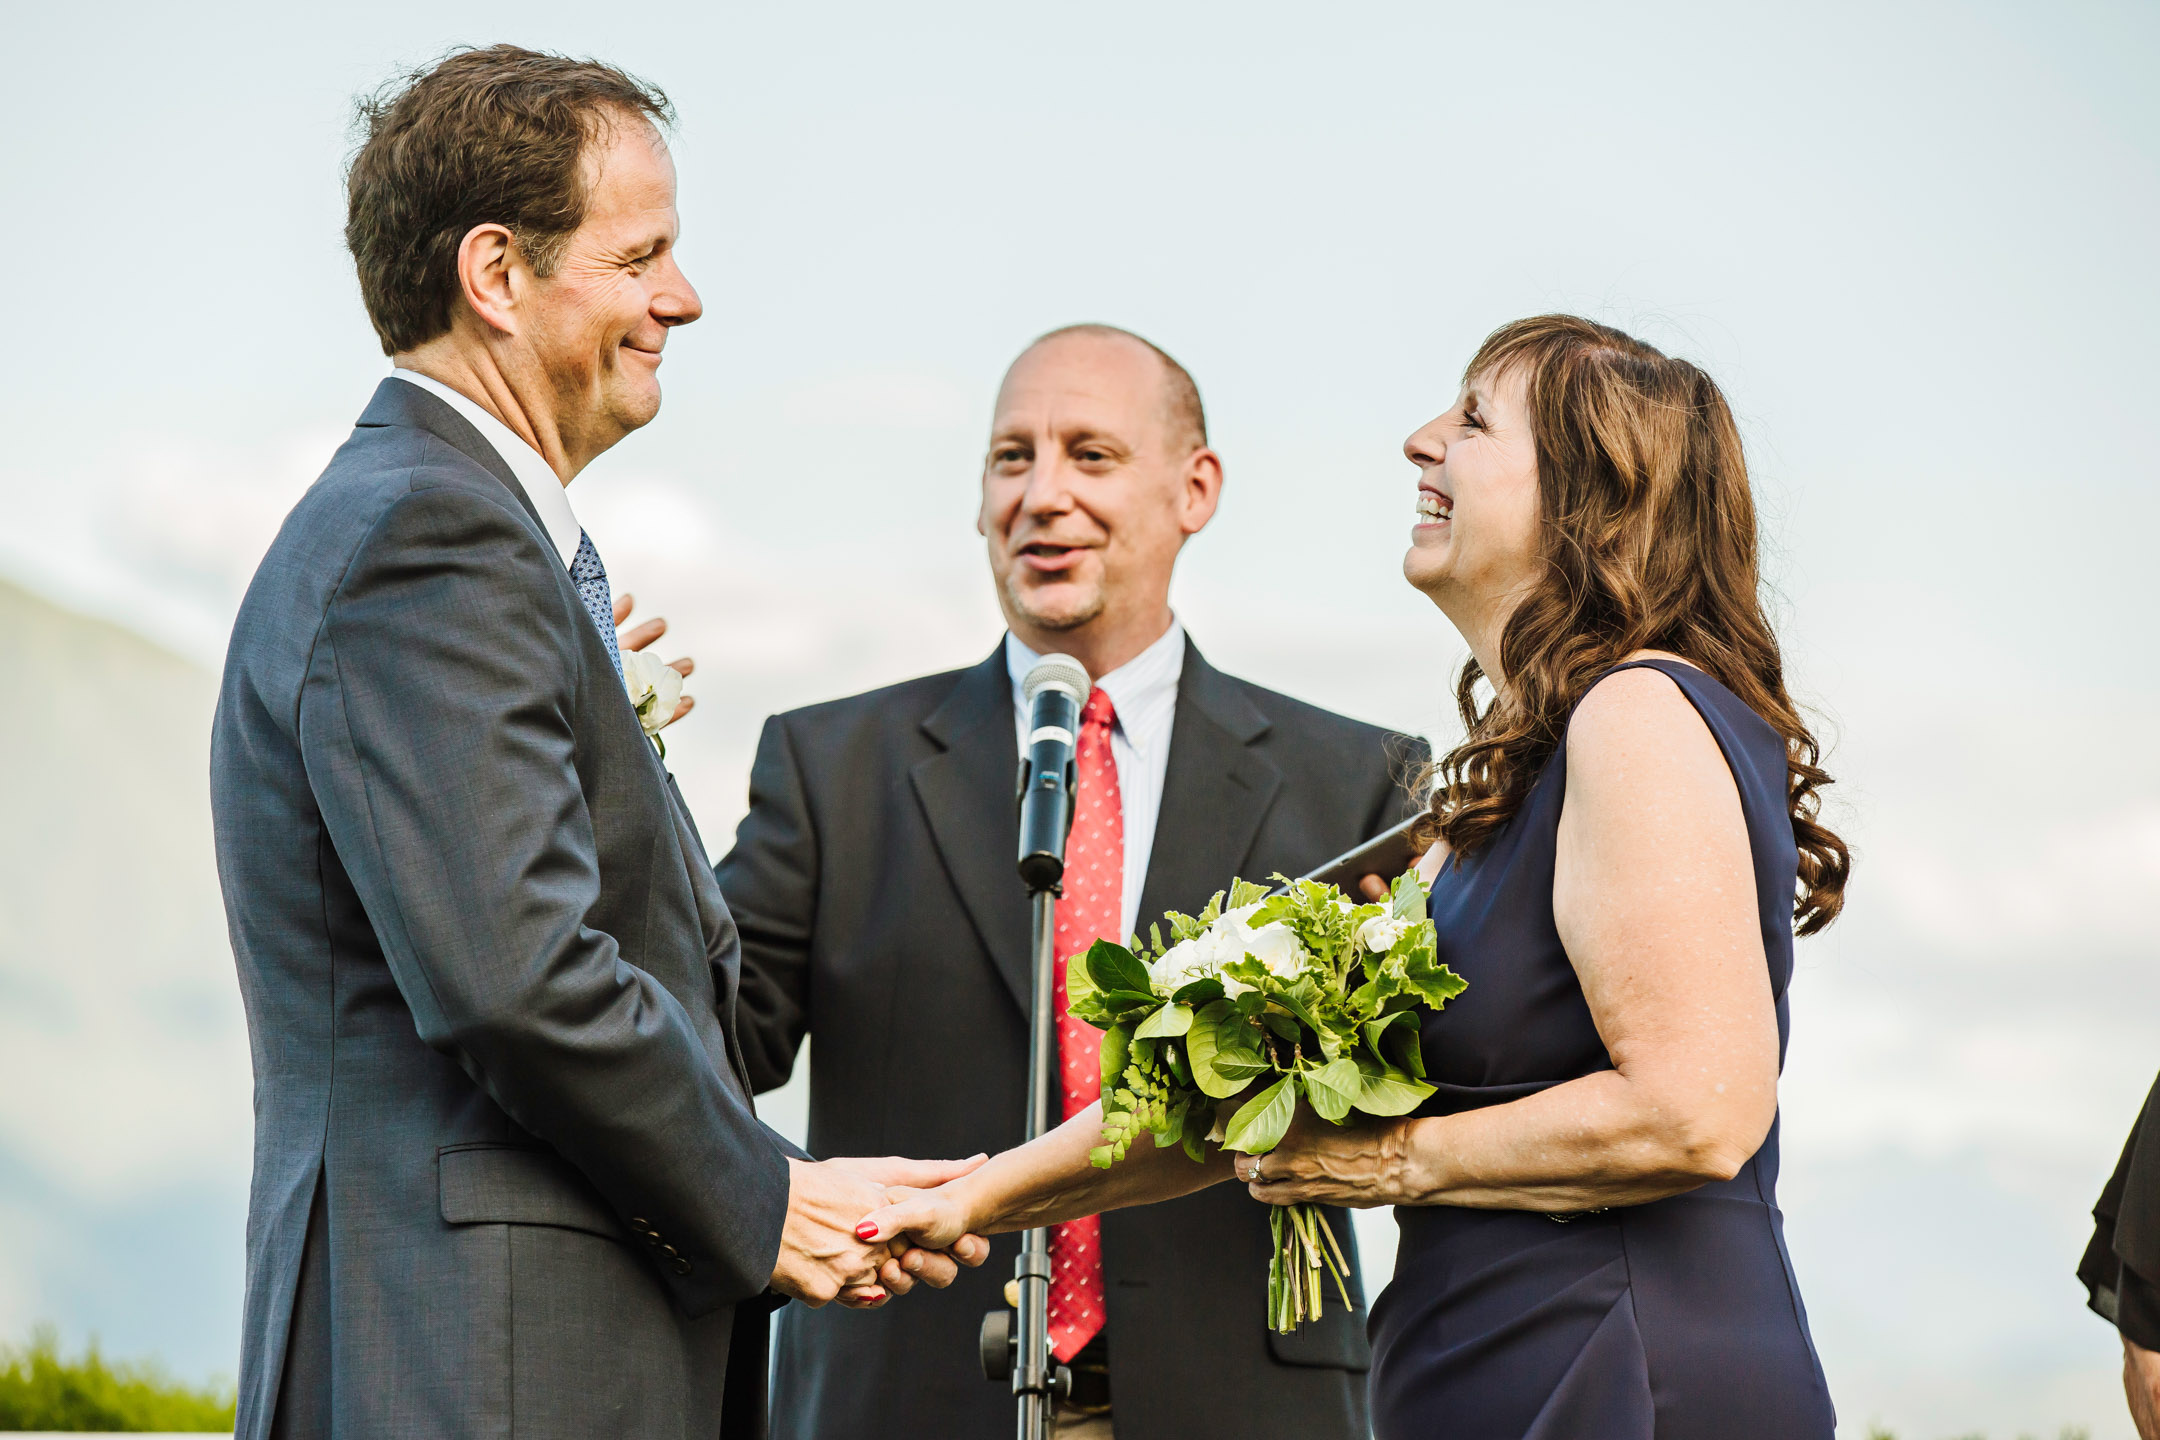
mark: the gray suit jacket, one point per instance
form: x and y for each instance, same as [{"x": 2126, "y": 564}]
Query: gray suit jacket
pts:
[{"x": 508, "y": 1181}]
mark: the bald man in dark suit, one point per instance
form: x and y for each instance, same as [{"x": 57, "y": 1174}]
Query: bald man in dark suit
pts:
[{"x": 874, "y": 887}]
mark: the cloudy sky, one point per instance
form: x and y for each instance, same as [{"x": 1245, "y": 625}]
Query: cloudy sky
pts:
[{"x": 1913, "y": 240}]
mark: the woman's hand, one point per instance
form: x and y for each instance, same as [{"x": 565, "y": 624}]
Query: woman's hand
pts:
[
  {"x": 935, "y": 1219},
  {"x": 1367, "y": 1162}
]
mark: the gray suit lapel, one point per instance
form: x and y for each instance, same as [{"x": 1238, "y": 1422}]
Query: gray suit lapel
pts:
[
  {"x": 1215, "y": 794},
  {"x": 397, "y": 403},
  {"x": 966, "y": 791},
  {"x": 714, "y": 922}
]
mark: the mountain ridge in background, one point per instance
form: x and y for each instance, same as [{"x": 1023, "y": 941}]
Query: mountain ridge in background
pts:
[{"x": 125, "y": 1118}]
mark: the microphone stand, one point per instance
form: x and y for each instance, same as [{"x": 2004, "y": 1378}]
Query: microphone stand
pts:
[
  {"x": 1037, "y": 1382},
  {"x": 1049, "y": 783}
]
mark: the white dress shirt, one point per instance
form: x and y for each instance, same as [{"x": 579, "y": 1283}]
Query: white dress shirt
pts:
[
  {"x": 1144, "y": 693},
  {"x": 534, "y": 475}
]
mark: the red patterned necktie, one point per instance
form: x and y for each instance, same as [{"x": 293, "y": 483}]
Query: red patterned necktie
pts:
[{"x": 1089, "y": 910}]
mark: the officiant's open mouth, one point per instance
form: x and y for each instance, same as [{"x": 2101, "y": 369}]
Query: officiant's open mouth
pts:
[{"x": 1045, "y": 558}]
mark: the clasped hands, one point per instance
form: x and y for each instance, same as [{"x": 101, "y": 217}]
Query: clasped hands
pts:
[{"x": 827, "y": 1253}]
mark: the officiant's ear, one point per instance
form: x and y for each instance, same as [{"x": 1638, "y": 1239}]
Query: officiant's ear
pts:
[{"x": 491, "y": 274}]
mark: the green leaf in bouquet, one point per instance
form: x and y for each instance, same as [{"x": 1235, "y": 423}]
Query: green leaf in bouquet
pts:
[
  {"x": 1301, "y": 997},
  {"x": 1081, "y": 990},
  {"x": 1248, "y": 971},
  {"x": 1171, "y": 1020},
  {"x": 1391, "y": 1092},
  {"x": 1259, "y": 1124},
  {"x": 1394, "y": 1038},
  {"x": 1408, "y": 898},
  {"x": 1173, "y": 1058},
  {"x": 1433, "y": 981},
  {"x": 1154, "y": 935},
  {"x": 1092, "y": 1011},
  {"x": 1220, "y": 1070},
  {"x": 1116, "y": 1053},
  {"x": 1113, "y": 967},
  {"x": 1244, "y": 892},
  {"x": 1285, "y": 1026},
  {"x": 1334, "y": 1088},
  {"x": 1102, "y": 1157},
  {"x": 1199, "y": 992},
  {"x": 1213, "y": 912},
  {"x": 1198, "y": 1120},
  {"x": 1332, "y": 1041},
  {"x": 1370, "y": 996}
]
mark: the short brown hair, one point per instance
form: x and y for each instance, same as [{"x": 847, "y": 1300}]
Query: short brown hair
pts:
[
  {"x": 483, "y": 136},
  {"x": 1181, "y": 397}
]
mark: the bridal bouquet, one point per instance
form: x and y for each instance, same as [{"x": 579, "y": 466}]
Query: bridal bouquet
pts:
[{"x": 1305, "y": 992}]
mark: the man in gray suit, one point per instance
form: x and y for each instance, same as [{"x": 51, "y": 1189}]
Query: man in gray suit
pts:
[{"x": 508, "y": 1180}]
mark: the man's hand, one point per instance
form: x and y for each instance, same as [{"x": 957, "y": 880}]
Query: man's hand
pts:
[
  {"x": 644, "y": 633},
  {"x": 822, "y": 1257},
  {"x": 1375, "y": 887}
]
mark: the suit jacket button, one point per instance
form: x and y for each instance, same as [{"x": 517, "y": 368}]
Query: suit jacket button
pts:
[
  {"x": 672, "y": 1255},
  {"x": 682, "y": 1267},
  {"x": 640, "y": 1224}
]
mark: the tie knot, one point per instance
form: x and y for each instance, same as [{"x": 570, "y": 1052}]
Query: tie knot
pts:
[{"x": 1098, "y": 710}]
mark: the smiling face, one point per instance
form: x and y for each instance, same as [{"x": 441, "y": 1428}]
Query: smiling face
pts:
[
  {"x": 1089, "y": 491},
  {"x": 600, "y": 319},
  {"x": 1474, "y": 546}
]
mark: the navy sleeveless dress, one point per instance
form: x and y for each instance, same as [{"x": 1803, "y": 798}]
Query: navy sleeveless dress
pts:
[{"x": 1679, "y": 1319}]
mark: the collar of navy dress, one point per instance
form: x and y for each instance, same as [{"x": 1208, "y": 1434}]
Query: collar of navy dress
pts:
[{"x": 590, "y": 577}]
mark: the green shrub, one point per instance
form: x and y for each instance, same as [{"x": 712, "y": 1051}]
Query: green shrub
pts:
[{"x": 41, "y": 1391}]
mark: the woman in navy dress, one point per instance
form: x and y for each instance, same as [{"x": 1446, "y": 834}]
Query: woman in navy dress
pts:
[{"x": 1627, "y": 843}]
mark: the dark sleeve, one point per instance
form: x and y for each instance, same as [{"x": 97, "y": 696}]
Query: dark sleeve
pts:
[
  {"x": 770, "y": 880},
  {"x": 2121, "y": 1265},
  {"x": 436, "y": 730}
]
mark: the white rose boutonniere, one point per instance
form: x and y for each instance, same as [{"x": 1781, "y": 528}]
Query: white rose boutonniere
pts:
[{"x": 654, "y": 688}]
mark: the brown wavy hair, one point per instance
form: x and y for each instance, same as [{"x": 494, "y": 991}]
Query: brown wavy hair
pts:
[{"x": 1648, "y": 543}]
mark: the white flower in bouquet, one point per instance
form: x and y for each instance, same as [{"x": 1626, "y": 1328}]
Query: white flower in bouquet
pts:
[
  {"x": 1230, "y": 939},
  {"x": 654, "y": 687},
  {"x": 1181, "y": 964},
  {"x": 1379, "y": 934},
  {"x": 1277, "y": 946}
]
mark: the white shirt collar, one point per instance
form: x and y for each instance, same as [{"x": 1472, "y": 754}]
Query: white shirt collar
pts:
[
  {"x": 1143, "y": 689},
  {"x": 534, "y": 475}
]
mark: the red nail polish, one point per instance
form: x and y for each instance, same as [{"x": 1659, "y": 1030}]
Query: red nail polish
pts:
[{"x": 866, "y": 1231}]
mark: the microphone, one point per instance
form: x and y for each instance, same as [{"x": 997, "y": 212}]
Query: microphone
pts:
[{"x": 1054, "y": 690}]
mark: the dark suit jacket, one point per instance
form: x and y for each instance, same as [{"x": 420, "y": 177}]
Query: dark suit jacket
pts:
[
  {"x": 507, "y": 1176},
  {"x": 873, "y": 880}
]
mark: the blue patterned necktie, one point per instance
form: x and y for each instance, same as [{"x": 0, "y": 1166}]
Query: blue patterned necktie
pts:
[{"x": 590, "y": 577}]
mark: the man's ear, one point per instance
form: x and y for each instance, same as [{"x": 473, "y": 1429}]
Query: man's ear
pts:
[
  {"x": 1202, "y": 490},
  {"x": 490, "y": 274}
]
